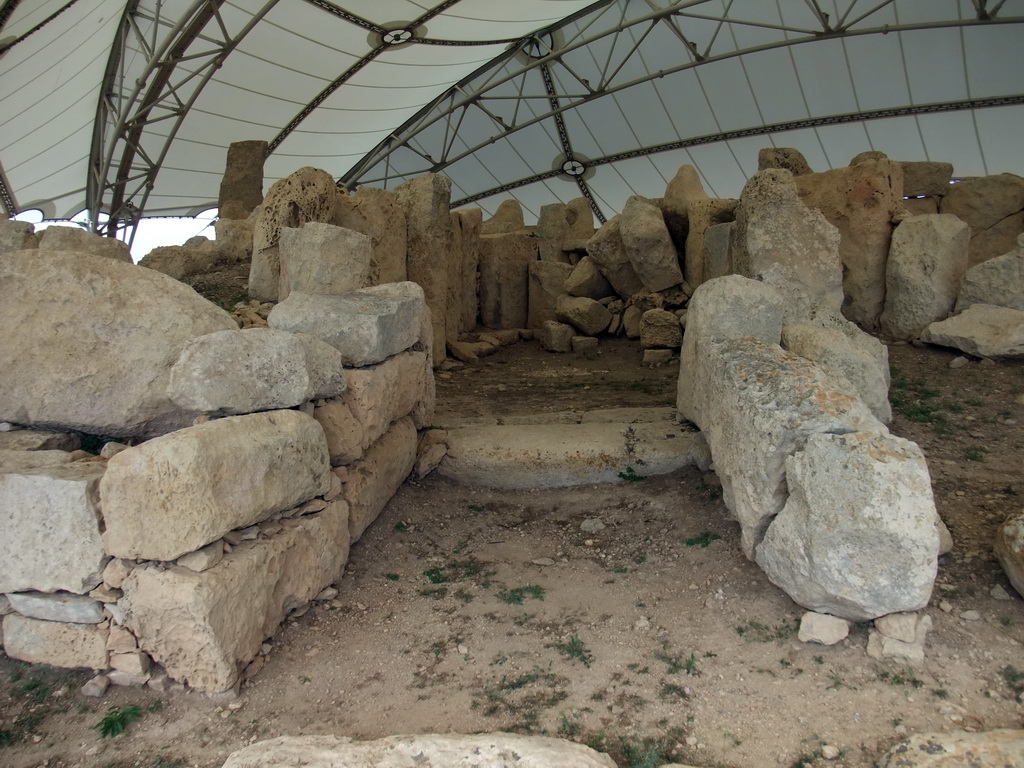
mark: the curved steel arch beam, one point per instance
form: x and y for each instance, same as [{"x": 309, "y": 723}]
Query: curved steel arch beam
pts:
[
  {"x": 160, "y": 93},
  {"x": 467, "y": 95}
]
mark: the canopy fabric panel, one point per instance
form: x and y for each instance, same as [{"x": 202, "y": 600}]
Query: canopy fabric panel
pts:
[{"x": 127, "y": 108}]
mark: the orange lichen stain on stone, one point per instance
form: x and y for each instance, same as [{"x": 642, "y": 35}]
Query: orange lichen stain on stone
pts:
[{"x": 831, "y": 402}]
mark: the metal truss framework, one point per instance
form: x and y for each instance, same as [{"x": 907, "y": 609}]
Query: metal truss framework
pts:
[
  {"x": 183, "y": 53},
  {"x": 492, "y": 85}
]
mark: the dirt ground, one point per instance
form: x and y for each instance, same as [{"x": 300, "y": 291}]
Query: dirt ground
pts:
[{"x": 652, "y": 637}]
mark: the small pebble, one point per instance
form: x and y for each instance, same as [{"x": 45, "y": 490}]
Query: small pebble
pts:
[
  {"x": 829, "y": 752},
  {"x": 999, "y": 593},
  {"x": 543, "y": 561},
  {"x": 945, "y": 606},
  {"x": 970, "y": 616},
  {"x": 958, "y": 362}
]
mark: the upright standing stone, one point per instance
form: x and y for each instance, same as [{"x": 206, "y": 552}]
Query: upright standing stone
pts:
[
  {"x": 551, "y": 231},
  {"x": 466, "y": 242},
  {"x": 682, "y": 192},
  {"x": 505, "y": 279},
  {"x": 648, "y": 244},
  {"x": 547, "y": 283},
  {"x": 704, "y": 214},
  {"x": 426, "y": 200},
  {"x": 241, "y": 188},
  {"x": 862, "y": 201},
  {"x": 992, "y": 207},
  {"x": 783, "y": 243},
  {"x": 609, "y": 254},
  {"x": 306, "y": 195},
  {"x": 375, "y": 478},
  {"x": 323, "y": 258},
  {"x": 51, "y": 529},
  {"x": 507, "y": 219},
  {"x": 927, "y": 261},
  {"x": 377, "y": 214},
  {"x": 785, "y": 158},
  {"x": 718, "y": 240}
]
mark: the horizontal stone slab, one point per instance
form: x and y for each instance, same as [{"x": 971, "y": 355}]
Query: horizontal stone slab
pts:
[
  {"x": 55, "y": 643},
  {"x": 365, "y": 327},
  {"x": 15, "y": 461},
  {"x": 381, "y": 394},
  {"x": 180, "y": 492},
  {"x": 204, "y": 628},
  {"x": 60, "y": 606}
]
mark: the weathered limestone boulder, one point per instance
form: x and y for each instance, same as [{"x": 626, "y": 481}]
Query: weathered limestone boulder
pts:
[
  {"x": 203, "y": 628},
  {"x": 505, "y": 279},
  {"x": 343, "y": 431},
  {"x": 365, "y": 326},
  {"x": 785, "y": 244},
  {"x": 998, "y": 281},
  {"x": 39, "y": 440},
  {"x": 241, "y": 186},
  {"x": 90, "y": 342},
  {"x": 377, "y": 214},
  {"x": 546, "y": 284},
  {"x": 718, "y": 239},
  {"x": 16, "y": 461},
  {"x": 682, "y": 191},
  {"x": 585, "y": 315},
  {"x": 17, "y": 235},
  {"x": 851, "y": 358},
  {"x": 926, "y": 178},
  {"x": 381, "y": 394},
  {"x": 466, "y": 242},
  {"x": 375, "y": 478},
  {"x": 822, "y": 628},
  {"x": 323, "y": 258},
  {"x": 586, "y": 280},
  {"x": 610, "y": 257},
  {"x": 60, "y": 238},
  {"x": 507, "y": 219},
  {"x": 233, "y": 237},
  {"x": 660, "y": 328},
  {"x": 955, "y": 749},
  {"x": 725, "y": 308},
  {"x": 182, "y": 261},
  {"x": 51, "y": 528},
  {"x": 927, "y": 261},
  {"x": 648, "y": 245},
  {"x": 920, "y": 206},
  {"x": 55, "y": 643},
  {"x": 426, "y": 200},
  {"x": 1009, "y": 549},
  {"x": 58, "y": 606},
  {"x": 857, "y": 536},
  {"x": 556, "y": 337},
  {"x": 785, "y": 158},
  {"x": 981, "y": 330},
  {"x": 900, "y": 636},
  {"x": 862, "y": 201},
  {"x": 704, "y": 214},
  {"x": 179, "y": 492},
  {"x": 306, "y": 195},
  {"x": 258, "y": 369},
  {"x": 481, "y": 750},
  {"x": 991, "y": 206},
  {"x": 756, "y": 405}
]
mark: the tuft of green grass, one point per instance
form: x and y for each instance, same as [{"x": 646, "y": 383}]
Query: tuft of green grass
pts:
[
  {"x": 703, "y": 540},
  {"x": 975, "y": 453},
  {"x": 116, "y": 720},
  {"x": 574, "y": 648},
  {"x": 762, "y": 633},
  {"x": 392, "y": 576},
  {"x": 433, "y": 591},
  {"x": 630, "y": 476},
  {"x": 436, "y": 576},
  {"x": 517, "y": 595},
  {"x": 670, "y": 690},
  {"x": 649, "y": 751},
  {"x": 1015, "y": 679}
]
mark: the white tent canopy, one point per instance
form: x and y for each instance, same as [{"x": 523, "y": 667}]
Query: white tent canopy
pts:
[{"x": 127, "y": 108}]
